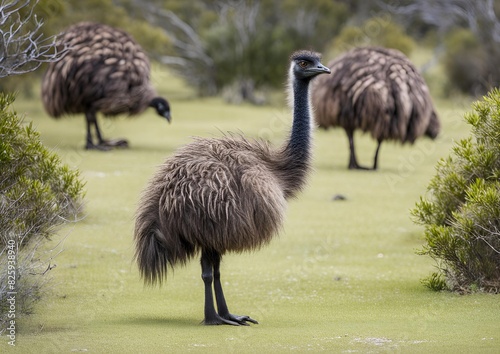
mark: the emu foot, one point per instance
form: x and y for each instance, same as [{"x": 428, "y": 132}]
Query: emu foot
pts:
[
  {"x": 107, "y": 145},
  {"x": 229, "y": 320},
  {"x": 115, "y": 143},
  {"x": 355, "y": 166},
  {"x": 91, "y": 146}
]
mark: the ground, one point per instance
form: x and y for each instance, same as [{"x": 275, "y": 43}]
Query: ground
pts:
[{"x": 342, "y": 276}]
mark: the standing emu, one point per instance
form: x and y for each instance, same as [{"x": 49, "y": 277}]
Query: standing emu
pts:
[
  {"x": 376, "y": 90},
  {"x": 105, "y": 71},
  {"x": 220, "y": 195}
]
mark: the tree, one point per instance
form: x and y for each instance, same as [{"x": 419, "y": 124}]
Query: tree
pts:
[
  {"x": 480, "y": 18},
  {"x": 242, "y": 44}
]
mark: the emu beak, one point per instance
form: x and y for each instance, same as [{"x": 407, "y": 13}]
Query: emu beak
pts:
[
  {"x": 167, "y": 116},
  {"x": 321, "y": 69}
]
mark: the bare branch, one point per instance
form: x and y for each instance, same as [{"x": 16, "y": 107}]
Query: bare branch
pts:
[
  {"x": 479, "y": 15},
  {"x": 23, "y": 49}
]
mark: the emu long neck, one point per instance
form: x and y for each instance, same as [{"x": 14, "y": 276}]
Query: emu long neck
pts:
[
  {"x": 297, "y": 149},
  {"x": 299, "y": 143}
]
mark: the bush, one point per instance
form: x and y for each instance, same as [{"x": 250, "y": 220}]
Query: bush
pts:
[
  {"x": 465, "y": 63},
  {"x": 37, "y": 194},
  {"x": 462, "y": 213},
  {"x": 377, "y": 31}
]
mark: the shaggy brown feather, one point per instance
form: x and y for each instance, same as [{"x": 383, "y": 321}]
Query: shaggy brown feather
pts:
[
  {"x": 105, "y": 69},
  {"x": 225, "y": 194},
  {"x": 376, "y": 90},
  {"x": 228, "y": 195}
]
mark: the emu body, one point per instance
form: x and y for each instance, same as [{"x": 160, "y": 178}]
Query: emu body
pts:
[
  {"x": 375, "y": 90},
  {"x": 224, "y": 195},
  {"x": 105, "y": 71}
]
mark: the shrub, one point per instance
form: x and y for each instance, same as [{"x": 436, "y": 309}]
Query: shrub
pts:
[
  {"x": 376, "y": 31},
  {"x": 465, "y": 63},
  {"x": 37, "y": 194},
  {"x": 462, "y": 212}
]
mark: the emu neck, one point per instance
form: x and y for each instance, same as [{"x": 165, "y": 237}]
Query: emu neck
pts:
[
  {"x": 300, "y": 138},
  {"x": 295, "y": 162}
]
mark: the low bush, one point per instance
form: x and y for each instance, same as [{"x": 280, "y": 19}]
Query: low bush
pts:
[
  {"x": 461, "y": 213},
  {"x": 377, "y": 31},
  {"x": 466, "y": 63},
  {"x": 37, "y": 194}
]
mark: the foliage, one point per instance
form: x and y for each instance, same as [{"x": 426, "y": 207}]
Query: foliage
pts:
[
  {"x": 376, "y": 31},
  {"x": 37, "y": 194},
  {"x": 247, "y": 42},
  {"x": 462, "y": 214},
  {"x": 473, "y": 31},
  {"x": 466, "y": 63}
]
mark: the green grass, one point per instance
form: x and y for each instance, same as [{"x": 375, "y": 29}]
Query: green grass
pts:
[{"x": 342, "y": 276}]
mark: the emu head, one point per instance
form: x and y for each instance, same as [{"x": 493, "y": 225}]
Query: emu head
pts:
[
  {"x": 162, "y": 107},
  {"x": 306, "y": 64}
]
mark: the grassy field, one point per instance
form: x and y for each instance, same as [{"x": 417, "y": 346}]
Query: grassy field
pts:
[{"x": 342, "y": 276}]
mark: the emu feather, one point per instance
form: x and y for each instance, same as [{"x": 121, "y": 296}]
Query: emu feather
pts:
[{"x": 375, "y": 90}]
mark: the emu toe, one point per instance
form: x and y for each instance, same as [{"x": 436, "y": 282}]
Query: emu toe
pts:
[
  {"x": 355, "y": 166},
  {"x": 231, "y": 319},
  {"x": 100, "y": 147},
  {"x": 242, "y": 320},
  {"x": 115, "y": 143}
]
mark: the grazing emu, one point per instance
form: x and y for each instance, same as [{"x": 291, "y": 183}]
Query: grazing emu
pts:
[
  {"x": 376, "y": 90},
  {"x": 220, "y": 195},
  {"x": 105, "y": 71}
]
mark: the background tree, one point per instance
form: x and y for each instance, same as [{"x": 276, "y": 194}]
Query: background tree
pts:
[
  {"x": 242, "y": 43},
  {"x": 451, "y": 18}
]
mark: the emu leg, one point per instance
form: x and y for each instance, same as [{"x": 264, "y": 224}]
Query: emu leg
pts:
[
  {"x": 103, "y": 144},
  {"x": 208, "y": 262},
  {"x": 92, "y": 121},
  {"x": 375, "y": 159},
  {"x": 221, "y": 301},
  {"x": 353, "y": 162}
]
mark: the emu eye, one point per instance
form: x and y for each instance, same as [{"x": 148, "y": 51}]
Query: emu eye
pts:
[{"x": 303, "y": 64}]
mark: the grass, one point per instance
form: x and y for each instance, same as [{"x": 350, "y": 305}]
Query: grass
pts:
[{"x": 343, "y": 276}]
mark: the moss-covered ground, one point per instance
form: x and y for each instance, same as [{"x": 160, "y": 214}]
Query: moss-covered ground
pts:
[{"x": 342, "y": 276}]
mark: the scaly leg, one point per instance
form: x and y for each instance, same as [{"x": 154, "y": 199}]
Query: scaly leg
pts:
[
  {"x": 90, "y": 117},
  {"x": 102, "y": 144},
  {"x": 353, "y": 162},
  {"x": 221, "y": 301},
  {"x": 210, "y": 261},
  {"x": 375, "y": 160}
]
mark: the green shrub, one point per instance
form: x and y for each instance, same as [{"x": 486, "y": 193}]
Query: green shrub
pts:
[
  {"x": 376, "y": 31},
  {"x": 461, "y": 214},
  {"x": 465, "y": 63},
  {"x": 37, "y": 194}
]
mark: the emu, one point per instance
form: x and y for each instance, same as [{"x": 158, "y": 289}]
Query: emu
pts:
[
  {"x": 228, "y": 194},
  {"x": 105, "y": 70},
  {"x": 376, "y": 90}
]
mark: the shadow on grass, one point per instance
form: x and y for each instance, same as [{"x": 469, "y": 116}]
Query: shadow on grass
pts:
[{"x": 147, "y": 321}]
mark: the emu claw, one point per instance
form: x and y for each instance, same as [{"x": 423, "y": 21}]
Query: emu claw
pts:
[
  {"x": 232, "y": 320},
  {"x": 115, "y": 143},
  {"x": 241, "y": 320},
  {"x": 97, "y": 147}
]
